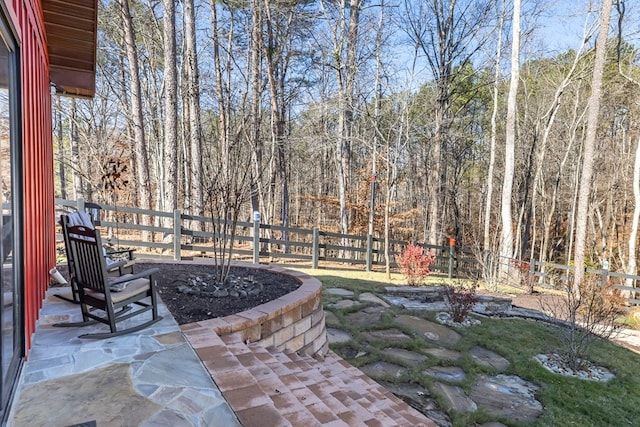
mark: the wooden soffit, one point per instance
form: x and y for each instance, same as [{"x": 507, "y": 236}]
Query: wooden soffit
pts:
[{"x": 72, "y": 30}]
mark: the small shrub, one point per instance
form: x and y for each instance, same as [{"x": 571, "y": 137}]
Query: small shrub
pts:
[
  {"x": 415, "y": 264},
  {"x": 586, "y": 315},
  {"x": 461, "y": 300}
]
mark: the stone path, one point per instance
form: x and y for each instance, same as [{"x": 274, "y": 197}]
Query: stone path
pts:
[{"x": 399, "y": 353}]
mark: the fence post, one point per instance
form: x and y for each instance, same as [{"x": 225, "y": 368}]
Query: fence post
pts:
[
  {"x": 452, "y": 249},
  {"x": 369, "y": 251},
  {"x": 256, "y": 237},
  {"x": 605, "y": 273},
  {"x": 177, "y": 235},
  {"x": 315, "y": 248}
]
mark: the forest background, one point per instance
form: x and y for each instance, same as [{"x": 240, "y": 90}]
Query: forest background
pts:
[{"x": 389, "y": 118}]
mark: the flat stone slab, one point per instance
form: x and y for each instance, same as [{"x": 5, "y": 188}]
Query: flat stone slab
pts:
[
  {"x": 405, "y": 356},
  {"x": 367, "y": 317},
  {"x": 455, "y": 398},
  {"x": 431, "y": 331},
  {"x": 111, "y": 384},
  {"x": 342, "y": 304},
  {"x": 390, "y": 336},
  {"x": 337, "y": 336},
  {"x": 419, "y": 398},
  {"x": 420, "y": 291},
  {"x": 331, "y": 319},
  {"x": 369, "y": 297},
  {"x": 507, "y": 396},
  {"x": 489, "y": 359},
  {"x": 383, "y": 370},
  {"x": 453, "y": 374},
  {"x": 491, "y": 304},
  {"x": 339, "y": 292},
  {"x": 415, "y": 304},
  {"x": 443, "y": 353}
]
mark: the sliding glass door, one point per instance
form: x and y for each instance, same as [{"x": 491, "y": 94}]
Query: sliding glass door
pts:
[{"x": 11, "y": 342}]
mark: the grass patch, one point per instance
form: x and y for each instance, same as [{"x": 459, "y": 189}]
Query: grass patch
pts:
[{"x": 566, "y": 401}]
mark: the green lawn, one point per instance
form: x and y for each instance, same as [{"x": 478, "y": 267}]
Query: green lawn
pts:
[{"x": 566, "y": 401}]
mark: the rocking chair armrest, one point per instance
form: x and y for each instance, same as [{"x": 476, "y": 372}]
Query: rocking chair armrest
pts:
[
  {"x": 116, "y": 265},
  {"x": 128, "y": 278},
  {"x": 122, "y": 251}
]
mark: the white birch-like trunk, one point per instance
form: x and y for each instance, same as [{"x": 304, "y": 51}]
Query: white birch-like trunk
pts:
[{"x": 506, "y": 240}]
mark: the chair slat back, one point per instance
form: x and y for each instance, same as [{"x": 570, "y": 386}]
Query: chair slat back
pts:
[{"x": 89, "y": 265}]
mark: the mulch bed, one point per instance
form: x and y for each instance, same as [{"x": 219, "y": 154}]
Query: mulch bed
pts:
[{"x": 189, "y": 308}]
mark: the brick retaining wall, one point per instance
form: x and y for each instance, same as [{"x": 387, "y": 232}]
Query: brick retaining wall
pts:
[{"x": 293, "y": 322}]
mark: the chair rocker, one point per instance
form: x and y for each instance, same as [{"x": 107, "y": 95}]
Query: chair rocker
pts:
[
  {"x": 115, "y": 267},
  {"x": 105, "y": 299}
]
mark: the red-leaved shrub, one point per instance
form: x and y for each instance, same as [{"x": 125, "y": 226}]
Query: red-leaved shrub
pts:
[
  {"x": 460, "y": 300},
  {"x": 414, "y": 264}
]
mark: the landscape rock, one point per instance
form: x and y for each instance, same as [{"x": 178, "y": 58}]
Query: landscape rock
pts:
[
  {"x": 419, "y": 398},
  {"x": 489, "y": 359},
  {"x": 369, "y": 297},
  {"x": 431, "y": 331},
  {"x": 367, "y": 317},
  {"x": 391, "y": 336},
  {"x": 406, "y": 356},
  {"x": 507, "y": 396},
  {"x": 383, "y": 370},
  {"x": 336, "y": 336},
  {"x": 339, "y": 292},
  {"x": 453, "y": 374},
  {"x": 455, "y": 398}
]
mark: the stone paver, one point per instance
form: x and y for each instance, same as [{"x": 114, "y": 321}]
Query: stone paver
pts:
[
  {"x": 343, "y": 304},
  {"x": 336, "y": 336},
  {"x": 431, "y": 331},
  {"x": 131, "y": 380},
  {"x": 383, "y": 370},
  {"x": 443, "y": 353},
  {"x": 455, "y": 398},
  {"x": 390, "y": 336},
  {"x": 489, "y": 359},
  {"x": 446, "y": 373},
  {"x": 340, "y": 292},
  {"x": 507, "y": 396},
  {"x": 406, "y": 356},
  {"x": 419, "y": 398},
  {"x": 366, "y": 317},
  {"x": 330, "y": 319},
  {"x": 369, "y": 297}
]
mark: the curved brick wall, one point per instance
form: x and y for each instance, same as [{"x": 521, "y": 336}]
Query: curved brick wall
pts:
[{"x": 294, "y": 322}]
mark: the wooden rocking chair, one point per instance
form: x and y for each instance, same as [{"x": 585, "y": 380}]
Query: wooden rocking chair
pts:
[
  {"x": 118, "y": 268},
  {"x": 106, "y": 299}
]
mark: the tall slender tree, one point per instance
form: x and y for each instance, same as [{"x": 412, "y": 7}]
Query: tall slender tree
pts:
[
  {"x": 506, "y": 239},
  {"x": 136, "y": 105},
  {"x": 586, "y": 176},
  {"x": 170, "y": 166}
]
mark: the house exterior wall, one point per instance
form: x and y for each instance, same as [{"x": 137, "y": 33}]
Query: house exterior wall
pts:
[{"x": 37, "y": 159}]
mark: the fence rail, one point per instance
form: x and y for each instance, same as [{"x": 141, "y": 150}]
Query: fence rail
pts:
[
  {"x": 180, "y": 236},
  {"x": 546, "y": 272}
]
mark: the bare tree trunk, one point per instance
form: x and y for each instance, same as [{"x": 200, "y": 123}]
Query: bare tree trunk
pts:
[
  {"x": 75, "y": 151},
  {"x": 223, "y": 121},
  {"x": 589, "y": 146},
  {"x": 494, "y": 131},
  {"x": 193, "y": 96},
  {"x": 276, "y": 73},
  {"x": 140, "y": 144},
  {"x": 506, "y": 240},
  {"x": 170, "y": 164},
  {"x": 60, "y": 154}
]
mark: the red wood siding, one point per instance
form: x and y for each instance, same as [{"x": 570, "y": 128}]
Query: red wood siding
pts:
[{"x": 38, "y": 209}]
